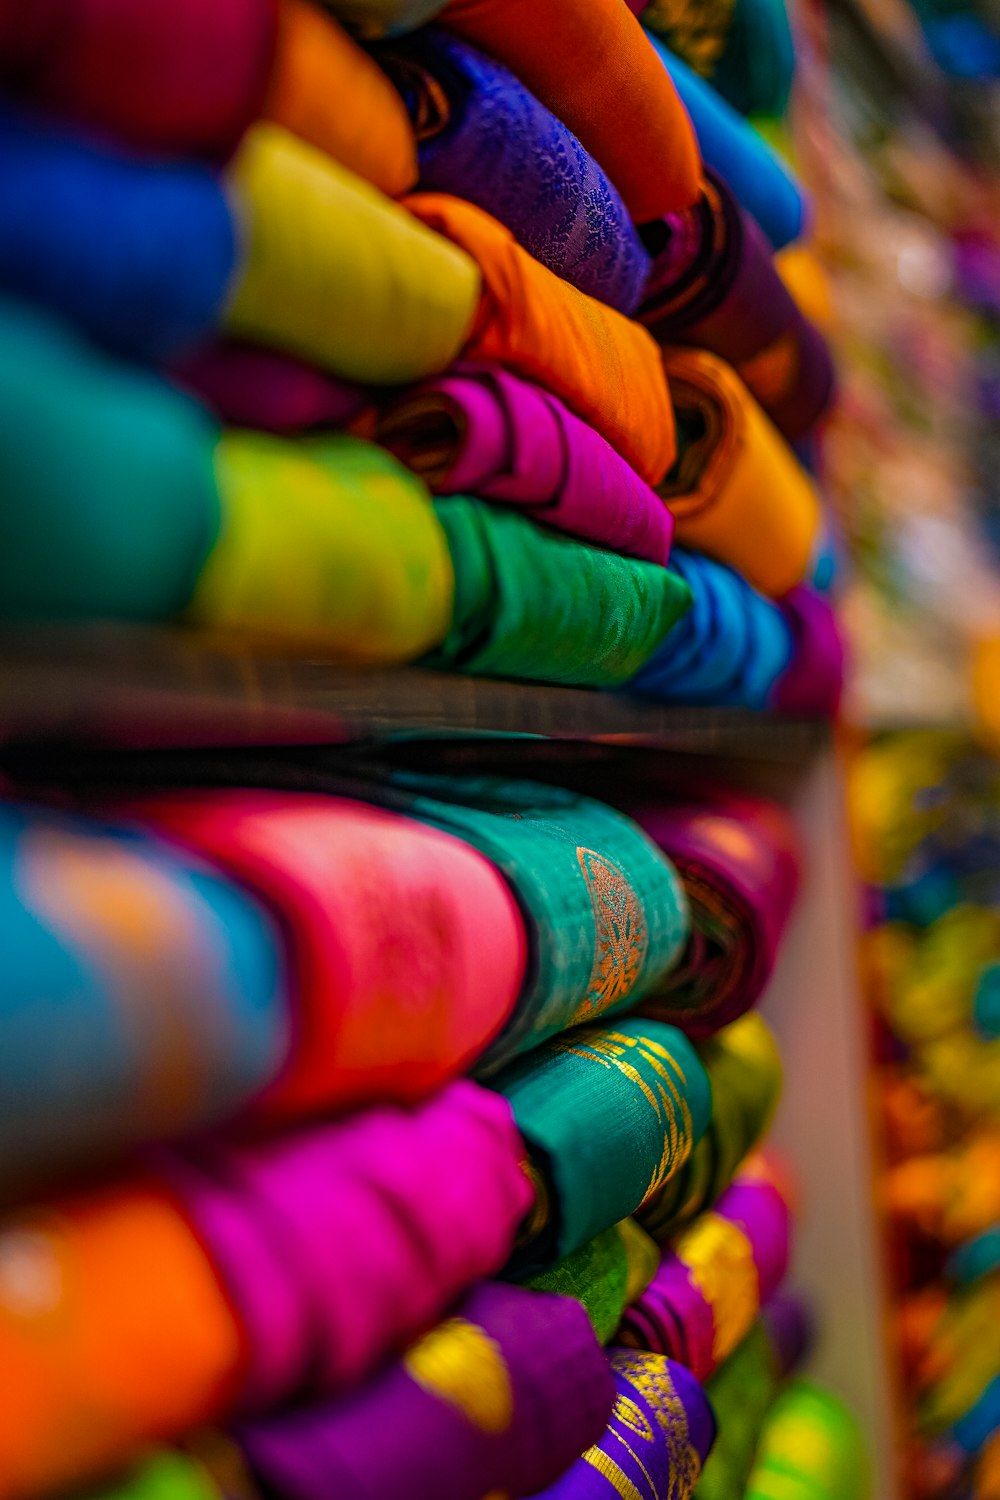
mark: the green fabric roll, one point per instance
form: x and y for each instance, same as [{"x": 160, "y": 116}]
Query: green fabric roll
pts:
[
  {"x": 744, "y": 1069},
  {"x": 810, "y": 1448},
  {"x": 534, "y": 603},
  {"x": 108, "y": 504},
  {"x": 165, "y": 1475},
  {"x": 606, "y": 1274},
  {"x": 741, "y": 1392},
  {"x": 608, "y": 1114},
  {"x": 606, "y": 912}
]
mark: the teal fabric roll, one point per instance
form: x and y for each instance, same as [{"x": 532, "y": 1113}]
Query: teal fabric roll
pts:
[
  {"x": 108, "y": 504},
  {"x": 608, "y": 1114},
  {"x": 540, "y": 605},
  {"x": 606, "y": 912}
]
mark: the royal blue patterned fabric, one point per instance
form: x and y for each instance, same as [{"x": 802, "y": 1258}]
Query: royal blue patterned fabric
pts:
[{"x": 484, "y": 137}]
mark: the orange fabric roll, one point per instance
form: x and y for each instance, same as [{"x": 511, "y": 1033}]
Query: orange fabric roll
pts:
[
  {"x": 591, "y": 63},
  {"x": 605, "y": 367},
  {"x": 113, "y": 1331},
  {"x": 329, "y": 92},
  {"x": 738, "y": 493}
]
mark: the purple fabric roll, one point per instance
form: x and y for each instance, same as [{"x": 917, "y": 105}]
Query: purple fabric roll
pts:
[
  {"x": 661, "y": 1431},
  {"x": 790, "y": 1329},
  {"x": 812, "y": 683},
  {"x": 250, "y": 387},
  {"x": 502, "y": 1396},
  {"x": 481, "y": 431},
  {"x": 340, "y": 1243}
]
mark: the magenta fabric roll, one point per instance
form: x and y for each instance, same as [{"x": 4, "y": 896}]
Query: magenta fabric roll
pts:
[
  {"x": 501, "y": 1397},
  {"x": 246, "y": 386},
  {"x": 481, "y": 431},
  {"x": 339, "y": 1244},
  {"x": 813, "y": 682}
]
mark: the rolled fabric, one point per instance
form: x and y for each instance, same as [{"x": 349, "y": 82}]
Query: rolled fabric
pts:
[
  {"x": 608, "y": 1116},
  {"x": 81, "y": 439},
  {"x": 811, "y": 1446},
  {"x": 737, "y": 492},
  {"x": 485, "y": 138},
  {"x": 976, "y": 1258},
  {"x": 741, "y": 1392},
  {"x": 604, "y": 909},
  {"x": 744, "y": 1072},
  {"x": 145, "y": 994},
  {"x": 180, "y": 78},
  {"x": 165, "y": 1475},
  {"x": 735, "y": 150},
  {"x": 605, "y": 368},
  {"x": 715, "y": 286},
  {"x": 739, "y": 861},
  {"x": 407, "y": 948},
  {"x": 327, "y": 90},
  {"x": 710, "y": 1286},
  {"x": 138, "y": 254},
  {"x": 661, "y": 1431},
  {"x": 974, "y": 1429},
  {"x": 502, "y": 1396},
  {"x": 247, "y": 386},
  {"x": 301, "y": 551},
  {"x": 590, "y": 64},
  {"x": 536, "y": 604},
  {"x": 481, "y": 431},
  {"x": 732, "y": 647},
  {"x": 337, "y": 273},
  {"x": 744, "y": 47},
  {"x": 606, "y": 1275},
  {"x": 813, "y": 682}
]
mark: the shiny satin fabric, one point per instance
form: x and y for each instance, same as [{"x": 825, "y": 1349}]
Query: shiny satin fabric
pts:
[
  {"x": 407, "y": 949},
  {"x": 482, "y": 431},
  {"x": 485, "y": 138},
  {"x": 337, "y": 273},
  {"x": 501, "y": 1396},
  {"x": 590, "y": 63},
  {"x": 604, "y": 367}
]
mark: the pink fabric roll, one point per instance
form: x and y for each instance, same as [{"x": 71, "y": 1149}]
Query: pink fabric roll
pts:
[
  {"x": 813, "y": 682},
  {"x": 246, "y": 386}
]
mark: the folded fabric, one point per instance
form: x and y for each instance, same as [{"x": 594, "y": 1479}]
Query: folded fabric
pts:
[
  {"x": 605, "y": 368},
  {"x": 715, "y": 285},
  {"x": 744, "y": 46},
  {"x": 661, "y": 1431},
  {"x": 606, "y": 1275},
  {"x": 738, "y": 858},
  {"x": 485, "y": 138},
  {"x": 247, "y": 386},
  {"x": 741, "y": 1393},
  {"x": 536, "y": 604},
  {"x": 302, "y": 555},
  {"x": 481, "y": 431},
  {"x": 339, "y": 274},
  {"x": 735, "y": 150},
  {"x": 109, "y": 505},
  {"x": 608, "y": 1116},
  {"x": 138, "y": 254},
  {"x": 144, "y": 994},
  {"x": 604, "y": 909},
  {"x": 744, "y": 1072},
  {"x": 710, "y": 1286},
  {"x": 168, "y": 75},
  {"x": 810, "y": 1447},
  {"x": 731, "y": 647},
  {"x": 737, "y": 492},
  {"x": 407, "y": 948},
  {"x": 501, "y": 1397},
  {"x": 327, "y": 90}
]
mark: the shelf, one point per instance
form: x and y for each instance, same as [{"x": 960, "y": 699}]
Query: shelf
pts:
[{"x": 136, "y": 687}]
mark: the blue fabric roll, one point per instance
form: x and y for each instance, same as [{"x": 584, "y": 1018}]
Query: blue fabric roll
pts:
[
  {"x": 981, "y": 1421},
  {"x": 143, "y": 994},
  {"x": 761, "y": 182},
  {"x": 484, "y": 137},
  {"x": 975, "y": 1259},
  {"x": 138, "y": 254},
  {"x": 730, "y": 648}
]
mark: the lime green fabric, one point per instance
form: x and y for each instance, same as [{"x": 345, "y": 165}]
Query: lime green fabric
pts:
[
  {"x": 811, "y": 1448},
  {"x": 537, "y": 604},
  {"x": 165, "y": 1475},
  {"x": 605, "y": 1274},
  {"x": 741, "y": 1392}
]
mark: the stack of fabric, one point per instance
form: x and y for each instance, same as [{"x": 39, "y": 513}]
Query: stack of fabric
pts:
[{"x": 408, "y": 332}]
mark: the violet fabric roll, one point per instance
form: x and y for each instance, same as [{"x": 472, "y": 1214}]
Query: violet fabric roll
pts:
[
  {"x": 338, "y": 1244},
  {"x": 660, "y": 1434},
  {"x": 248, "y": 386},
  {"x": 502, "y": 1396},
  {"x": 482, "y": 431},
  {"x": 812, "y": 683},
  {"x": 484, "y": 137},
  {"x": 739, "y": 861}
]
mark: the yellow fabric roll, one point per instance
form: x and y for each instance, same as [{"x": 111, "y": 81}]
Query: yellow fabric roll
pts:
[
  {"x": 329, "y": 542},
  {"x": 737, "y": 492},
  {"x": 805, "y": 276},
  {"x": 337, "y": 273}
]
